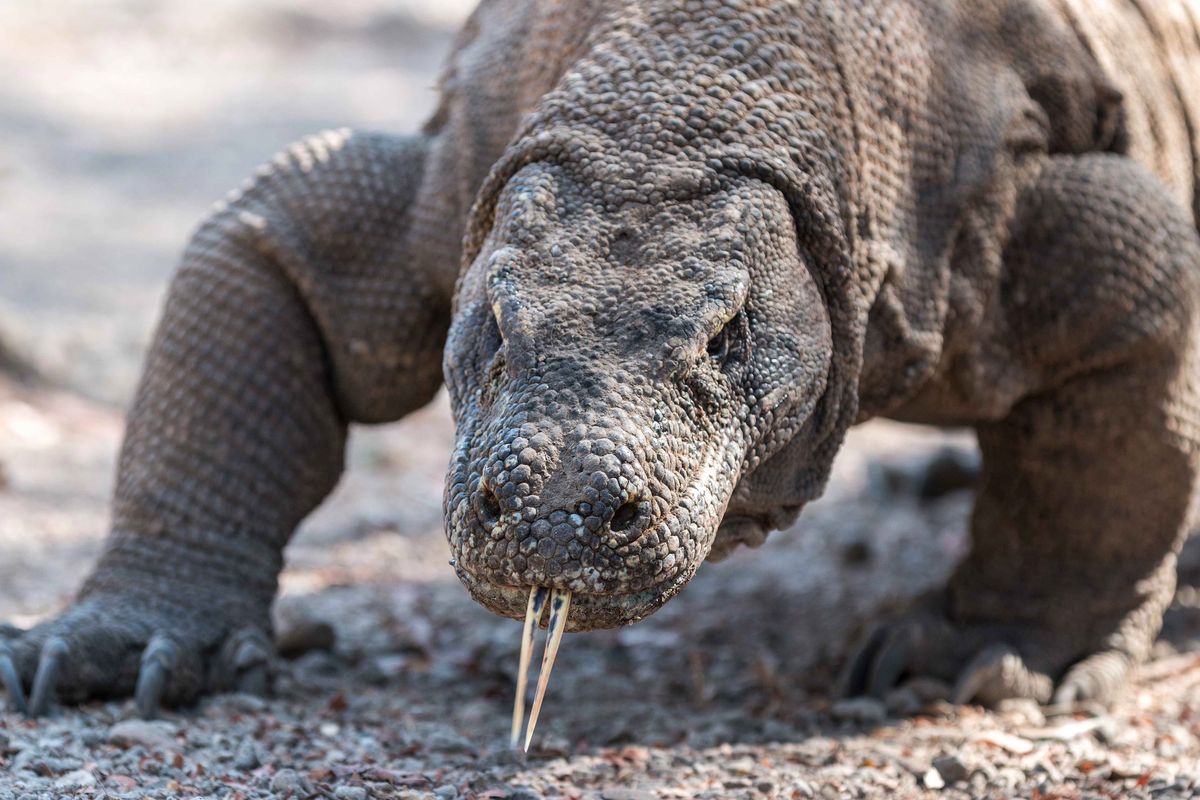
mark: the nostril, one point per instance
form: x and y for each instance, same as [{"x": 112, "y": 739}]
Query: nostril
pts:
[
  {"x": 624, "y": 518},
  {"x": 487, "y": 506}
]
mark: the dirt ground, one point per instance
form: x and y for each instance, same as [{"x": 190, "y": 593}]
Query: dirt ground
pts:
[{"x": 121, "y": 121}]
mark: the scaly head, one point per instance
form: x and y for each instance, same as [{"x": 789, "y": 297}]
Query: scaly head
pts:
[{"x": 631, "y": 340}]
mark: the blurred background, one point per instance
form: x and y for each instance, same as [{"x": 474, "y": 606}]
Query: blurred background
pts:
[{"x": 121, "y": 123}]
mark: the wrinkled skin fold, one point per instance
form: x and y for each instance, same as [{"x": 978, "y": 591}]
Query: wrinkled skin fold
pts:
[{"x": 663, "y": 255}]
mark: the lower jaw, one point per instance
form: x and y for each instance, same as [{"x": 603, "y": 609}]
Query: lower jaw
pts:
[{"x": 588, "y": 611}]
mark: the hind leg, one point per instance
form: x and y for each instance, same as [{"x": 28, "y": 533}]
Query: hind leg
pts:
[{"x": 1087, "y": 481}]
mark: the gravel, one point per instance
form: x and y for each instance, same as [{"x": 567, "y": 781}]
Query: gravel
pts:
[{"x": 400, "y": 686}]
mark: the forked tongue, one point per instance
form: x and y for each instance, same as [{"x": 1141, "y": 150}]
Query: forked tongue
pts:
[{"x": 560, "y": 606}]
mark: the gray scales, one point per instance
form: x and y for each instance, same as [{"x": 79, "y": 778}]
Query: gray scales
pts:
[{"x": 663, "y": 254}]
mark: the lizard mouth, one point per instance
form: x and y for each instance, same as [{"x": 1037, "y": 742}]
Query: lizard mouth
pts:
[{"x": 590, "y": 611}]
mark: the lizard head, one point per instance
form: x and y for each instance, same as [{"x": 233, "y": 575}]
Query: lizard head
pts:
[{"x": 626, "y": 350}]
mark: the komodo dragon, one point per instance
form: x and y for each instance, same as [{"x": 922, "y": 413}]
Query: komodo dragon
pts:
[{"x": 664, "y": 253}]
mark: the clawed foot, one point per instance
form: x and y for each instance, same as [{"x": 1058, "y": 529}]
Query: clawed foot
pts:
[
  {"x": 113, "y": 646},
  {"x": 984, "y": 663}
]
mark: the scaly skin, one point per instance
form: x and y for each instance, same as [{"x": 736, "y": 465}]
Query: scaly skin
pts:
[{"x": 700, "y": 240}]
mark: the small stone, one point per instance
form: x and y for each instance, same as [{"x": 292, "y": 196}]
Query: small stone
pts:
[
  {"x": 124, "y": 783},
  {"x": 350, "y": 793},
  {"x": 622, "y": 793},
  {"x": 93, "y": 737},
  {"x": 951, "y": 768},
  {"x": 142, "y": 732},
  {"x": 242, "y": 702},
  {"x": 57, "y": 766},
  {"x": 289, "y": 782},
  {"x": 933, "y": 779},
  {"x": 859, "y": 709},
  {"x": 523, "y": 793},
  {"x": 246, "y": 757},
  {"x": 448, "y": 742},
  {"x": 1005, "y": 741},
  {"x": 802, "y": 789},
  {"x": 297, "y": 634},
  {"x": 447, "y": 792},
  {"x": 79, "y": 779}
]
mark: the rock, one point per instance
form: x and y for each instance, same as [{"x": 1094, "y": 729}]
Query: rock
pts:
[
  {"x": 801, "y": 789},
  {"x": 288, "y": 782},
  {"x": 951, "y": 768},
  {"x": 1066, "y": 731},
  {"x": 124, "y": 783},
  {"x": 859, "y": 709},
  {"x": 297, "y": 634},
  {"x": 523, "y": 793},
  {"x": 446, "y": 792},
  {"x": 933, "y": 779},
  {"x": 622, "y": 793},
  {"x": 57, "y": 766},
  {"x": 246, "y": 757},
  {"x": 93, "y": 737},
  {"x": 351, "y": 793},
  {"x": 448, "y": 742},
  {"x": 1005, "y": 741},
  {"x": 79, "y": 779},
  {"x": 147, "y": 733}
]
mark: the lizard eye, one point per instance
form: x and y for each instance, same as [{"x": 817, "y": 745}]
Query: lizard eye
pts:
[{"x": 720, "y": 345}]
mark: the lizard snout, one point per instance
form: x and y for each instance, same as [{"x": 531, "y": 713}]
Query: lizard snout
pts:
[{"x": 563, "y": 509}]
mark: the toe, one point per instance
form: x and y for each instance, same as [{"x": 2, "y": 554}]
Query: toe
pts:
[
  {"x": 159, "y": 660},
  {"x": 1098, "y": 678},
  {"x": 12, "y": 680},
  {"x": 245, "y": 661},
  {"x": 856, "y": 674},
  {"x": 892, "y": 660},
  {"x": 996, "y": 673},
  {"x": 54, "y": 654}
]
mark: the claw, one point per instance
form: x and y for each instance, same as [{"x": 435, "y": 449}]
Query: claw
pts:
[
  {"x": 855, "y": 674},
  {"x": 12, "y": 681},
  {"x": 890, "y": 662},
  {"x": 250, "y": 662},
  {"x": 54, "y": 652},
  {"x": 560, "y": 606},
  {"x": 533, "y": 612},
  {"x": 158, "y": 661}
]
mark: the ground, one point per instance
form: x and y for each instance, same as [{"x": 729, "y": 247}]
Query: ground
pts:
[{"x": 122, "y": 121}]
